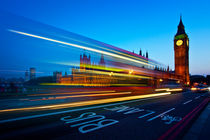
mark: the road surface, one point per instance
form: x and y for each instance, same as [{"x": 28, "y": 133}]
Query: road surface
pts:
[{"x": 52, "y": 116}]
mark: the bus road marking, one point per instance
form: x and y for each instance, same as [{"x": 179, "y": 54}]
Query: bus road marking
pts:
[{"x": 88, "y": 122}]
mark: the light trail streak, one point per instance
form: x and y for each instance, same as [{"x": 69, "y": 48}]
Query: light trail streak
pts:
[
  {"x": 89, "y": 85},
  {"x": 193, "y": 88},
  {"x": 176, "y": 89},
  {"x": 113, "y": 69},
  {"x": 162, "y": 89},
  {"x": 76, "y": 84},
  {"x": 168, "y": 89},
  {"x": 17, "y": 71},
  {"x": 90, "y": 95},
  {"x": 129, "y": 55},
  {"x": 78, "y": 46},
  {"x": 85, "y": 103},
  {"x": 82, "y": 92},
  {"x": 119, "y": 74}
]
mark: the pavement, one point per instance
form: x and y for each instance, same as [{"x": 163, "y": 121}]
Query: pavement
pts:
[{"x": 126, "y": 116}]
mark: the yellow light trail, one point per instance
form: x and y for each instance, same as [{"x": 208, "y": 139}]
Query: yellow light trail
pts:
[
  {"x": 75, "y": 84},
  {"x": 168, "y": 89},
  {"x": 92, "y": 66},
  {"x": 102, "y": 67},
  {"x": 88, "y": 95},
  {"x": 193, "y": 88},
  {"x": 162, "y": 89},
  {"x": 119, "y": 74},
  {"x": 82, "y": 92},
  {"x": 85, "y": 103},
  {"x": 175, "y": 89},
  {"x": 86, "y": 85},
  {"x": 79, "y": 46}
]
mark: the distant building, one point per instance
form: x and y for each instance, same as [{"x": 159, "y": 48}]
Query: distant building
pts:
[
  {"x": 84, "y": 60},
  {"x": 198, "y": 79},
  {"x": 32, "y": 73},
  {"x": 26, "y": 76},
  {"x": 147, "y": 55},
  {"x": 88, "y": 73},
  {"x": 57, "y": 76},
  {"x": 208, "y": 79},
  {"x": 102, "y": 62}
]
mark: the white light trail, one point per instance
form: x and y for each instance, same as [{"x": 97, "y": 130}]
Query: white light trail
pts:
[{"x": 78, "y": 46}]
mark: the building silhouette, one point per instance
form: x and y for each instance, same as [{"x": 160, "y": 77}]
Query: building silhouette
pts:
[
  {"x": 102, "y": 62},
  {"x": 57, "y": 76},
  {"x": 32, "y": 73},
  {"x": 26, "y": 76}
]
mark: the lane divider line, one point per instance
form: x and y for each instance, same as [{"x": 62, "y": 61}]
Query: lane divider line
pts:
[
  {"x": 83, "y": 95},
  {"x": 73, "y": 93},
  {"x": 197, "y": 97},
  {"x": 187, "y": 102},
  {"x": 161, "y": 114}
]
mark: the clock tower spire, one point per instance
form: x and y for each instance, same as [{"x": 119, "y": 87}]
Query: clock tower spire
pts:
[{"x": 181, "y": 53}]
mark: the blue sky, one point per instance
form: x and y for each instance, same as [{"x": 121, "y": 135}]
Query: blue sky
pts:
[{"x": 128, "y": 24}]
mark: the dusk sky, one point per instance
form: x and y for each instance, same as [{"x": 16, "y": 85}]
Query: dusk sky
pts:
[{"x": 128, "y": 24}]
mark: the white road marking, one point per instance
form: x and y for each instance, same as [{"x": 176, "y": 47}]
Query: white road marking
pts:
[
  {"x": 134, "y": 111},
  {"x": 187, "y": 102},
  {"x": 151, "y": 112},
  {"x": 73, "y": 110},
  {"x": 197, "y": 97},
  {"x": 161, "y": 114}
]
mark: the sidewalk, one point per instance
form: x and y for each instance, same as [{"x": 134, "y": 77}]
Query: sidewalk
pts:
[{"x": 200, "y": 128}]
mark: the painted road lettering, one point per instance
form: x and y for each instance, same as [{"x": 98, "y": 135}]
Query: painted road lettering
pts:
[
  {"x": 85, "y": 122},
  {"x": 125, "y": 109},
  {"x": 169, "y": 119},
  {"x": 128, "y": 110},
  {"x": 83, "y": 116},
  {"x": 94, "y": 126}
]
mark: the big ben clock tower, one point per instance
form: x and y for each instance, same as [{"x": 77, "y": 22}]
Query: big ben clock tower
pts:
[{"x": 181, "y": 53}]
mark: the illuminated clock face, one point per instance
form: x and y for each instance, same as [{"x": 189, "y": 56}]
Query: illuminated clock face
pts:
[
  {"x": 187, "y": 42},
  {"x": 179, "y": 42}
]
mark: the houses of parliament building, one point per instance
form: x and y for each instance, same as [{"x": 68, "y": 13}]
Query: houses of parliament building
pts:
[{"x": 100, "y": 75}]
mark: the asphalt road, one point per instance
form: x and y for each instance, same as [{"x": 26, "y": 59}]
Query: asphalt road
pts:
[{"x": 144, "y": 118}]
